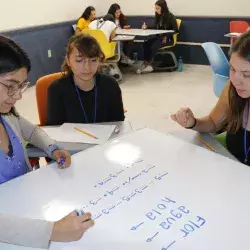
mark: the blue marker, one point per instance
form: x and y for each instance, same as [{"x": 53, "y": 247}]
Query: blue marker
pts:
[
  {"x": 79, "y": 212},
  {"x": 61, "y": 161}
]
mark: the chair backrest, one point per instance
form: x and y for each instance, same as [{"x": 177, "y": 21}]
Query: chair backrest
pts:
[
  {"x": 238, "y": 27},
  {"x": 175, "y": 36},
  {"x": 217, "y": 58},
  {"x": 107, "y": 47},
  {"x": 42, "y": 85}
]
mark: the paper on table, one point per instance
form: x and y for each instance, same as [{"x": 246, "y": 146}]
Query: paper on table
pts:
[
  {"x": 67, "y": 133},
  {"x": 102, "y": 132}
]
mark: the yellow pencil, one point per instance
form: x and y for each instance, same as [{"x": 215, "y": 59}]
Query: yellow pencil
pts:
[
  {"x": 86, "y": 133},
  {"x": 205, "y": 144}
]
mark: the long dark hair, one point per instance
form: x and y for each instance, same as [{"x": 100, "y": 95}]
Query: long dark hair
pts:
[
  {"x": 236, "y": 103},
  {"x": 109, "y": 17},
  {"x": 165, "y": 14},
  {"x": 122, "y": 19},
  {"x": 86, "y": 45},
  {"x": 87, "y": 12},
  {"x": 12, "y": 58}
]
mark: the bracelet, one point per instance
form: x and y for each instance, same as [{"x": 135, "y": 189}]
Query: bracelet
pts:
[{"x": 195, "y": 122}]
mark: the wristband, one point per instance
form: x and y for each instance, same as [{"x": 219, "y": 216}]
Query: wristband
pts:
[{"x": 195, "y": 122}]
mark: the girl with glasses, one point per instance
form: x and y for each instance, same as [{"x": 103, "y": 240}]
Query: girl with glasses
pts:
[{"x": 14, "y": 162}]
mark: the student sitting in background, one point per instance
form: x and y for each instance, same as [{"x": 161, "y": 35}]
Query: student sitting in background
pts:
[
  {"x": 106, "y": 24},
  {"x": 83, "y": 95},
  {"x": 232, "y": 109},
  {"x": 14, "y": 131},
  {"x": 120, "y": 21},
  {"x": 164, "y": 20},
  {"x": 87, "y": 17}
]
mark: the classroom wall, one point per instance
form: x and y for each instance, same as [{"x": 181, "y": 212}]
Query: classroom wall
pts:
[
  {"x": 51, "y": 29},
  {"x": 17, "y": 14},
  {"x": 239, "y": 8}
]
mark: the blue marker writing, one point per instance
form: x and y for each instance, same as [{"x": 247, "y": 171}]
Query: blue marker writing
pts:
[
  {"x": 135, "y": 227},
  {"x": 171, "y": 244}
]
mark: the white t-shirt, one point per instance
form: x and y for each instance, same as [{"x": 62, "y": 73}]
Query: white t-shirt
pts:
[
  {"x": 117, "y": 22},
  {"x": 106, "y": 26}
]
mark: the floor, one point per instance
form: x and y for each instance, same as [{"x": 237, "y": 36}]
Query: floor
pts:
[{"x": 151, "y": 99}]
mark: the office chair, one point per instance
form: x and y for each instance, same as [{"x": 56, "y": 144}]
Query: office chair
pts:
[
  {"x": 167, "y": 51},
  {"x": 42, "y": 85},
  {"x": 219, "y": 64},
  {"x": 238, "y": 27}
]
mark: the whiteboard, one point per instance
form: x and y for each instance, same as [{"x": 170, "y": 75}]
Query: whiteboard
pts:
[
  {"x": 198, "y": 8},
  {"x": 145, "y": 190}
]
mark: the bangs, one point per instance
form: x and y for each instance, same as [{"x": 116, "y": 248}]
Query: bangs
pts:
[{"x": 88, "y": 48}]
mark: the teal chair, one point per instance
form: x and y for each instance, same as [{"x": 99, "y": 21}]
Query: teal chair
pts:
[{"x": 219, "y": 65}]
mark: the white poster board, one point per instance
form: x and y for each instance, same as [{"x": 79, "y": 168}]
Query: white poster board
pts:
[{"x": 146, "y": 191}]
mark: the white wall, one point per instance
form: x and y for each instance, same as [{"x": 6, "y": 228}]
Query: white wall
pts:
[
  {"x": 25, "y": 13},
  {"x": 181, "y": 7}
]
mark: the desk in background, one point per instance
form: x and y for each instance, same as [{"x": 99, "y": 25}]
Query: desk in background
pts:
[
  {"x": 143, "y": 35},
  {"x": 123, "y": 38},
  {"x": 232, "y": 36},
  {"x": 141, "y": 32}
]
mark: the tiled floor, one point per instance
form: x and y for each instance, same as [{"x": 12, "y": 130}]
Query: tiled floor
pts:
[{"x": 150, "y": 99}]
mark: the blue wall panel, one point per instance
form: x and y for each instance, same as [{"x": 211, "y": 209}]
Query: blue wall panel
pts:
[{"x": 38, "y": 40}]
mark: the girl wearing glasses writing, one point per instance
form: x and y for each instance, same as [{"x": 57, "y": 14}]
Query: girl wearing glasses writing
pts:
[
  {"x": 83, "y": 95},
  {"x": 14, "y": 131},
  {"x": 232, "y": 108}
]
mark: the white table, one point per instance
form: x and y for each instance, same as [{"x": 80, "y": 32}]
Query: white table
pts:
[
  {"x": 125, "y": 128},
  {"x": 233, "y": 35},
  {"x": 123, "y": 38},
  {"x": 143, "y": 33},
  {"x": 208, "y": 185},
  {"x": 191, "y": 137}
]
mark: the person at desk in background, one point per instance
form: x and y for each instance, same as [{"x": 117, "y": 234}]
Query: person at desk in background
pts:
[
  {"x": 107, "y": 25},
  {"x": 120, "y": 21},
  {"x": 14, "y": 131},
  {"x": 87, "y": 17},
  {"x": 232, "y": 108},
  {"x": 83, "y": 95},
  {"x": 164, "y": 20}
]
